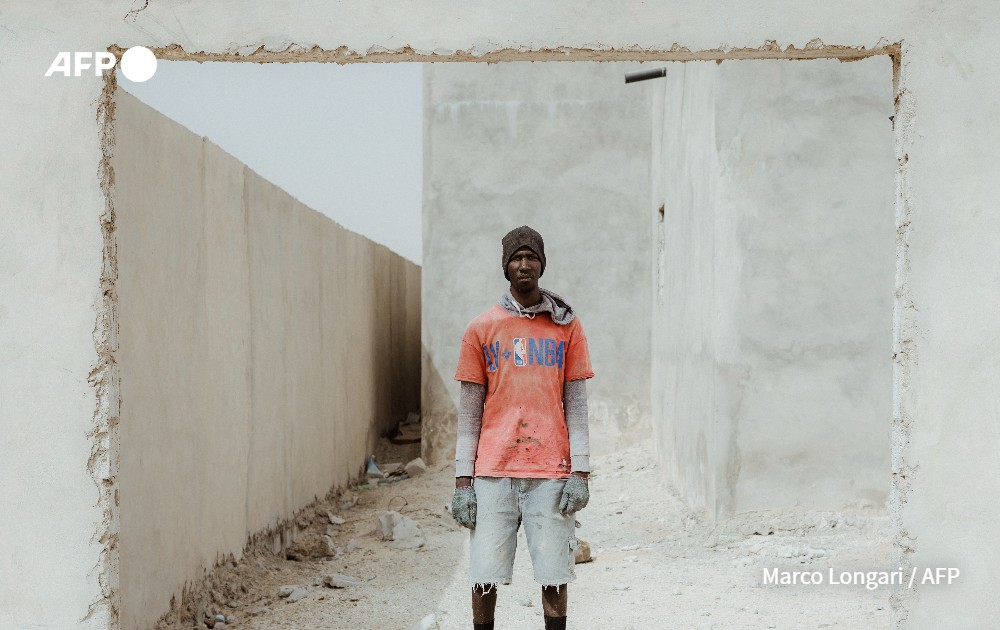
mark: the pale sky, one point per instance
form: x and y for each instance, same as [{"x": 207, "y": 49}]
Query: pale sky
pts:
[{"x": 346, "y": 140}]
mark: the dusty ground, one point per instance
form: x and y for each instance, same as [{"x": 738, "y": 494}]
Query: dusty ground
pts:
[{"x": 655, "y": 566}]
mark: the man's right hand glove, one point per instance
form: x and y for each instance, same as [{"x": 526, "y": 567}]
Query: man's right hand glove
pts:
[
  {"x": 463, "y": 506},
  {"x": 575, "y": 495}
]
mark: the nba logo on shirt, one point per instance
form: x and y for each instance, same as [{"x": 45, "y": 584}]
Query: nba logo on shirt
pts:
[{"x": 520, "y": 353}]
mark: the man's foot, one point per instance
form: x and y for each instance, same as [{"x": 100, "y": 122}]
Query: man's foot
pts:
[{"x": 485, "y": 626}]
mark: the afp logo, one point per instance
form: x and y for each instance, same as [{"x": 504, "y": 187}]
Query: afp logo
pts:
[{"x": 138, "y": 63}]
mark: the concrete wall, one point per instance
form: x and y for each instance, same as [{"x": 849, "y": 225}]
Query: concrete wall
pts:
[
  {"x": 57, "y": 275},
  {"x": 774, "y": 282},
  {"x": 262, "y": 349},
  {"x": 563, "y": 148}
]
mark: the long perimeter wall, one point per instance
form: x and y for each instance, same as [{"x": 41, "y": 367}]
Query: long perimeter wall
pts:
[{"x": 262, "y": 349}]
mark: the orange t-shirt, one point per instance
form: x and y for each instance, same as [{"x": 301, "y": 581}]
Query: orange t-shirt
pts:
[{"x": 523, "y": 363}]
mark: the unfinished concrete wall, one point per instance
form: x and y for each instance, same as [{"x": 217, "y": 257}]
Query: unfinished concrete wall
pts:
[
  {"x": 563, "y": 148},
  {"x": 772, "y": 365},
  {"x": 58, "y": 277},
  {"x": 262, "y": 349}
]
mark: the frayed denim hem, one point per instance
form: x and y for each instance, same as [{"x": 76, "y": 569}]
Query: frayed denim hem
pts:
[
  {"x": 556, "y": 586},
  {"x": 486, "y": 587}
]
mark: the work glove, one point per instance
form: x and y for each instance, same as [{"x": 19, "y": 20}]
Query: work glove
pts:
[
  {"x": 575, "y": 495},
  {"x": 463, "y": 506}
]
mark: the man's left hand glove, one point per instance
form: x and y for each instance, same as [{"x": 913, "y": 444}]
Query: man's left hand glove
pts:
[
  {"x": 463, "y": 506},
  {"x": 575, "y": 495}
]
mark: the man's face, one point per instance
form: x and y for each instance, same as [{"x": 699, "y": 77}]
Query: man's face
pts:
[{"x": 524, "y": 268}]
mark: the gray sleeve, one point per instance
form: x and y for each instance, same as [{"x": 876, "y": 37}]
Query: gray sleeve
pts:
[
  {"x": 575, "y": 406},
  {"x": 470, "y": 422}
]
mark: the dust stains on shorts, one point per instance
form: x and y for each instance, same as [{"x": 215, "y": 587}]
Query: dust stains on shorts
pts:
[{"x": 504, "y": 504}]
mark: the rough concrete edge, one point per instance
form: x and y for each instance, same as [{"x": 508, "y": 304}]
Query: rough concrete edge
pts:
[
  {"x": 905, "y": 331},
  {"x": 105, "y": 378},
  {"x": 291, "y": 52},
  {"x": 271, "y": 541}
]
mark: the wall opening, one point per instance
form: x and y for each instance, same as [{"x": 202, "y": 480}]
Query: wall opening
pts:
[{"x": 657, "y": 235}]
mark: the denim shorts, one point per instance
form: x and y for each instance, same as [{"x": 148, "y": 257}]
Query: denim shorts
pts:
[{"x": 503, "y": 504}]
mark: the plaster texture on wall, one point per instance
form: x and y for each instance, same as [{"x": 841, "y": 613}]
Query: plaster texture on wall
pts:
[
  {"x": 946, "y": 335},
  {"x": 54, "y": 529},
  {"x": 563, "y": 148},
  {"x": 774, "y": 282},
  {"x": 262, "y": 349}
]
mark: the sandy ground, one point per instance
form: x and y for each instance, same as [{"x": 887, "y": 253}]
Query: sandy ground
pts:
[{"x": 654, "y": 566}]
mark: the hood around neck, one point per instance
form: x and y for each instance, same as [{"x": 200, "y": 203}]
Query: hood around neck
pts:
[{"x": 560, "y": 311}]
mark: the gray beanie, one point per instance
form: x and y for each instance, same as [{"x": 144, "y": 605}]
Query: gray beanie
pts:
[{"x": 520, "y": 237}]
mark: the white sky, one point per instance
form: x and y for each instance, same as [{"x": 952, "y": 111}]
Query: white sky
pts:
[{"x": 345, "y": 140}]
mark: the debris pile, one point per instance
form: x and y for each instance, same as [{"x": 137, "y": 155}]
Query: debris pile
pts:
[
  {"x": 402, "y": 532},
  {"x": 408, "y": 431}
]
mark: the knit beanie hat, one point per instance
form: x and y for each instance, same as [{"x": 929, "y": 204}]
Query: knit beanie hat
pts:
[{"x": 520, "y": 237}]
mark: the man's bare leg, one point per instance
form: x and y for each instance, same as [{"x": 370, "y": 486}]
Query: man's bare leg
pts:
[
  {"x": 555, "y": 600},
  {"x": 484, "y": 604}
]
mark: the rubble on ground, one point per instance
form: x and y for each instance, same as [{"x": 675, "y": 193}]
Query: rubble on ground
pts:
[
  {"x": 402, "y": 531},
  {"x": 416, "y": 467},
  {"x": 657, "y": 552},
  {"x": 408, "y": 431},
  {"x": 311, "y": 544},
  {"x": 334, "y": 519},
  {"x": 292, "y": 593},
  {"x": 340, "y": 580}
]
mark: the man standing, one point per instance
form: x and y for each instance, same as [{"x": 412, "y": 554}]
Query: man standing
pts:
[{"x": 522, "y": 434}]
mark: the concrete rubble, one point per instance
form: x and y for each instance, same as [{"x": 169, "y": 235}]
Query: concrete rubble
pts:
[
  {"x": 215, "y": 621},
  {"x": 408, "y": 431},
  {"x": 392, "y": 468},
  {"x": 311, "y": 544},
  {"x": 293, "y": 593},
  {"x": 623, "y": 564},
  {"x": 387, "y": 473},
  {"x": 416, "y": 467},
  {"x": 350, "y": 502},
  {"x": 326, "y": 531},
  {"x": 402, "y": 531},
  {"x": 340, "y": 580}
]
